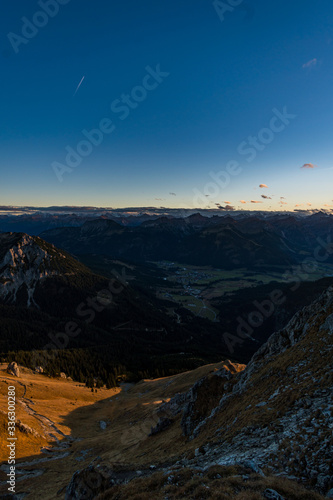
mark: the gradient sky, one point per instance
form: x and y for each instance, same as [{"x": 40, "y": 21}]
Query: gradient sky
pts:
[{"x": 225, "y": 78}]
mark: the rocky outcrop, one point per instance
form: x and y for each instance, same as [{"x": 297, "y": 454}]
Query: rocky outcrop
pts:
[
  {"x": 162, "y": 424},
  {"x": 279, "y": 413},
  {"x": 22, "y": 266},
  {"x": 203, "y": 398},
  {"x": 88, "y": 483},
  {"x": 272, "y": 495},
  {"x": 203, "y": 395},
  {"x": 96, "y": 479},
  {"x": 25, "y": 429},
  {"x": 13, "y": 369},
  {"x": 294, "y": 332}
]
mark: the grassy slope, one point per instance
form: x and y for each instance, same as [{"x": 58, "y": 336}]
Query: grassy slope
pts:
[{"x": 130, "y": 414}]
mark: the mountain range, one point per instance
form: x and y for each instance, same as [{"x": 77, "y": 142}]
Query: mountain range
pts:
[{"x": 222, "y": 242}]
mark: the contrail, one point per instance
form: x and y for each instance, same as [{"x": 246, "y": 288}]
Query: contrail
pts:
[{"x": 77, "y": 88}]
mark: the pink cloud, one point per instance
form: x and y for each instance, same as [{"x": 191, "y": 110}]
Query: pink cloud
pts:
[
  {"x": 263, "y": 186},
  {"x": 254, "y": 201}
]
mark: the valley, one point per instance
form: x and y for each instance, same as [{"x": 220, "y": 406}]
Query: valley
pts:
[{"x": 148, "y": 379}]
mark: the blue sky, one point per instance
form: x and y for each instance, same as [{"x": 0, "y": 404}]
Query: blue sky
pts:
[{"x": 224, "y": 80}]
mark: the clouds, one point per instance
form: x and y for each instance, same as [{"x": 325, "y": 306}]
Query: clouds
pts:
[
  {"x": 309, "y": 165},
  {"x": 310, "y": 64},
  {"x": 255, "y": 201},
  {"x": 243, "y": 201},
  {"x": 173, "y": 194},
  {"x": 228, "y": 208},
  {"x": 266, "y": 197},
  {"x": 263, "y": 186}
]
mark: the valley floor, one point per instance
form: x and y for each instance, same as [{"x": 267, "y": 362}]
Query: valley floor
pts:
[{"x": 62, "y": 427}]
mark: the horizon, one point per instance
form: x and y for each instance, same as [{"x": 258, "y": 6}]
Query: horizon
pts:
[{"x": 182, "y": 212}]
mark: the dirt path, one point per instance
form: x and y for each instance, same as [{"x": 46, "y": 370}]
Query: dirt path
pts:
[
  {"x": 52, "y": 433},
  {"x": 46, "y": 423}
]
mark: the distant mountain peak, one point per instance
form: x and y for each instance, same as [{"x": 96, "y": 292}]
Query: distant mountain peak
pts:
[
  {"x": 25, "y": 261},
  {"x": 100, "y": 224}
]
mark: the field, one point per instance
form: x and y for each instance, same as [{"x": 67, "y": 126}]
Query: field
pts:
[{"x": 194, "y": 287}]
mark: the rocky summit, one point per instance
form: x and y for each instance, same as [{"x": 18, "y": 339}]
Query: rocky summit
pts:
[{"x": 25, "y": 263}]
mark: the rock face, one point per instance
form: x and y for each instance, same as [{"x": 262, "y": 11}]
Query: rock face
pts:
[
  {"x": 30, "y": 269},
  {"x": 279, "y": 411},
  {"x": 13, "y": 369},
  {"x": 162, "y": 424},
  {"x": 26, "y": 429},
  {"x": 272, "y": 495},
  {"x": 94, "y": 480},
  {"x": 22, "y": 266},
  {"x": 201, "y": 399},
  {"x": 88, "y": 483}
]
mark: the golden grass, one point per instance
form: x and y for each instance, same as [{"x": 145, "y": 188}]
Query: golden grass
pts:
[{"x": 76, "y": 411}]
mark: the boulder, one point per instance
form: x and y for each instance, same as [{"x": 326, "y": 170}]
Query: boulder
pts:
[
  {"x": 26, "y": 429},
  {"x": 63, "y": 375},
  {"x": 162, "y": 424},
  {"x": 88, "y": 483},
  {"x": 13, "y": 369},
  {"x": 103, "y": 425},
  {"x": 39, "y": 369},
  {"x": 272, "y": 495}
]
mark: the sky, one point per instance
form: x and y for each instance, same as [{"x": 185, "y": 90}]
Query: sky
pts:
[{"x": 176, "y": 104}]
